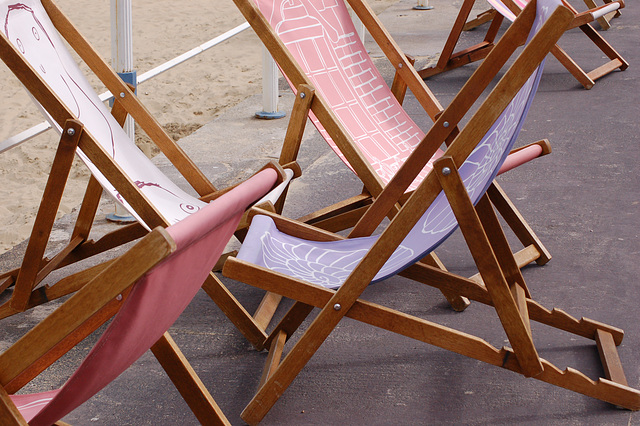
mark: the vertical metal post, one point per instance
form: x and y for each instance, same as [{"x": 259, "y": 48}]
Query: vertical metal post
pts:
[
  {"x": 122, "y": 62},
  {"x": 270, "y": 75}
]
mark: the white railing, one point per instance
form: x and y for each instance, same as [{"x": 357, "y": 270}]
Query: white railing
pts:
[
  {"x": 121, "y": 34},
  {"x": 43, "y": 127}
]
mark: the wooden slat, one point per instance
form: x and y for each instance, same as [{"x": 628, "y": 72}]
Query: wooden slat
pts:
[
  {"x": 187, "y": 382},
  {"x": 610, "y": 358}
]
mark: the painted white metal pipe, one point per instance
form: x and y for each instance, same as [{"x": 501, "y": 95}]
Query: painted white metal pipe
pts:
[
  {"x": 44, "y": 126},
  {"x": 122, "y": 62},
  {"x": 270, "y": 74}
]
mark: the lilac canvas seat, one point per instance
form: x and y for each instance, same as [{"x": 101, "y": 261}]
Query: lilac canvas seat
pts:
[
  {"x": 154, "y": 303},
  {"x": 359, "y": 115},
  {"x": 329, "y": 263}
]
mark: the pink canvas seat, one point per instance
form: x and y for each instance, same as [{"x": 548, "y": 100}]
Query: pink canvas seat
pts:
[
  {"x": 152, "y": 306},
  {"x": 322, "y": 39}
]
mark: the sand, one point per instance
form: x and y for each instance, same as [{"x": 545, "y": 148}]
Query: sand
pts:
[{"x": 181, "y": 99}]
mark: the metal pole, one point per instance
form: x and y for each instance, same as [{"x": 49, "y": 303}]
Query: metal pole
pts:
[
  {"x": 122, "y": 61},
  {"x": 270, "y": 75}
]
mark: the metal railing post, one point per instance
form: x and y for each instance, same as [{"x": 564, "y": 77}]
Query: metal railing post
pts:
[
  {"x": 270, "y": 74},
  {"x": 122, "y": 61}
]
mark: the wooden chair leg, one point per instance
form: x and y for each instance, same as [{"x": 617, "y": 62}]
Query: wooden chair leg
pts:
[
  {"x": 489, "y": 267},
  {"x": 457, "y": 302},
  {"x": 46, "y": 215},
  {"x": 517, "y": 222},
  {"x": 234, "y": 311},
  {"x": 187, "y": 382}
]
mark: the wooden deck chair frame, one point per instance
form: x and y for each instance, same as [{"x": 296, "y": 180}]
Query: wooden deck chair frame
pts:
[
  {"x": 489, "y": 14},
  {"x": 148, "y": 288},
  {"x": 344, "y": 214},
  {"x": 504, "y": 287},
  {"x": 35, "y": 267},
  {"x": 449, "y": 59},
  {"x": 52, "y": 333}
]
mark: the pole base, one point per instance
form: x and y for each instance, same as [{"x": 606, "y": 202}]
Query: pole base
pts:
[
  {"x": 116, "y": 218},
  {"x": 270, "y": 115}
]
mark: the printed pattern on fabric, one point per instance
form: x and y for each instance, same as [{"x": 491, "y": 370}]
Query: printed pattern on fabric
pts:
[
  {"x": 321, "y": 37},
  {"x": 329, "y": 263},
  {"x": 29, "y": 29}
]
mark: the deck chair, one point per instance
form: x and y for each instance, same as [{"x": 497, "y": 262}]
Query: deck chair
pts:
[
  {"x": 149, "y": 287},
  {"x": 339, "y": 88},
  {"x": 33, "y": 48},
  {"x": 449, "y": 59},
  {"x": 320, "y": 269}
]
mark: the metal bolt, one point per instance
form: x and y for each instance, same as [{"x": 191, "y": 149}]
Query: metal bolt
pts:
[
  {"x": 446, "y": 171},
  {"x": 337, "y": 307},
  {"x": 303, "y": 95},
  {"x": 119, "y": 297},
  {"x": 71, "y": 132},
  {"x": 400, "y": 65},
  {"x": 445, "y": 124},
  {"x": 122, "y": 94}
]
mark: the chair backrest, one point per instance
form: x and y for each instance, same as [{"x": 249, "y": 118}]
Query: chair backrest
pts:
[
  {"x": 337, "y": 259},
  {"x": 479, "y": 168},
  {"x": 156, "y": 300},
  {"x": 321, "y": 37},
  {"x": 28, "y": 27}
]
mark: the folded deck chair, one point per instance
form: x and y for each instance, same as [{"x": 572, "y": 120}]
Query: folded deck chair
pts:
[
  {"x": 157, "y": 279},
  {"x": 31, "y": 45},
  {"x": 325, "y": 270},
  {"x": 339, "y": 88},
  {"x": 509, "y": 9}
]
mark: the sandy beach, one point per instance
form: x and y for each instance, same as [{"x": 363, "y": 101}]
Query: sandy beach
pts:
[{"x": 182, "y": 99}]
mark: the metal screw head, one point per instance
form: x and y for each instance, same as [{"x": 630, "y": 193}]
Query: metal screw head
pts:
[
  {"x": 71, "y": 132},
  {"x": 445, "y": 124},
  {"x": 122, "y": 94},
  {"x": 446, "y": 171},
  {"x": 119, "y": 297},
  {"x": 400, "y": 65},
  {"x": 337, "y": 307},
  {"x": 303, "y": 95}
]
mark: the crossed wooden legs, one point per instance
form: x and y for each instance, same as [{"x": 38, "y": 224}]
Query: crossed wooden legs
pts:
[
  {"x": 502, "y": 287},
  {"x": 449, "y": 59}
]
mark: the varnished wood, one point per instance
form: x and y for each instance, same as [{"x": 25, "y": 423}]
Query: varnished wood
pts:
[
  {"x": 399, "y": 86},
  {"x": 46, "y": 215},
  {"x": 35, "y": 267},
  {"x": 489, "y": 266},
  {"x": 234, "y": 311},
  {"x": 65, "y": 344},
  {"x": 9, "y": 414},
  {"x": 187, "y": 382},
  {"x": 273, "y": 358},
  {"x": 83, "y": 304},
  {"x": 610, "y": 358},
  {"x": 449, "y": 59},
  {"x": 500, "y": 287}
]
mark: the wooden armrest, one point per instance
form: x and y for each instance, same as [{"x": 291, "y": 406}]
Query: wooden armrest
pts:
[{"x": 294, "y": 227}]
